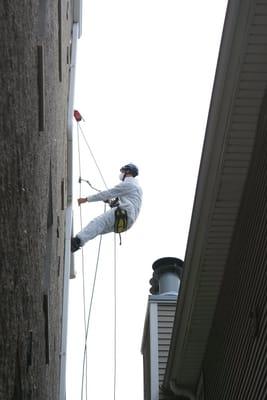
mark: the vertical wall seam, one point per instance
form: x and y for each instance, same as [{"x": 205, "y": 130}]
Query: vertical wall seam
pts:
[
  {"x": 40, "y": 77},
  {"x": 46, "y": 319},
  {"x": 60, "y": 40}
]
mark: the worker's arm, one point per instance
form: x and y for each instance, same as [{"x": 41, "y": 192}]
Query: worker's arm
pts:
[
  {"x": 121, "y": 189},
  {"x": 82, "y": 200}
]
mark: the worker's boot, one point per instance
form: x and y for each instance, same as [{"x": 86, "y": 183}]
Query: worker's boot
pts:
[{"x": 75, "y": 244}]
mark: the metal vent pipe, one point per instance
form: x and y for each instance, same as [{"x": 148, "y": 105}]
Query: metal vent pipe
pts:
[{"x": 166, "y": 276}]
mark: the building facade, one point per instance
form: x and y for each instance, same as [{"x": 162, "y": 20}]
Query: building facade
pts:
[{"x": 38, "y": 41}]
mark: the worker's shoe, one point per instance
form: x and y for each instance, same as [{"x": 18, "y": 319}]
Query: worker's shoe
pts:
[{"x": 75, "y": 244}]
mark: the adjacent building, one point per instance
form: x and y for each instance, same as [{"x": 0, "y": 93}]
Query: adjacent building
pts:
[
  {"x": 218, "y": 347},
  {"x": 160, "y": 314}
]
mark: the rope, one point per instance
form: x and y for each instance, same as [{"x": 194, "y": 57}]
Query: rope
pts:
[
  {"x": 89, "y": 313},
  {"x": 115, "y": 319},
  {"x": 93, "y": 157},
  {"x": 87, "y": 323},
  {"x": 83, "y": 273}
]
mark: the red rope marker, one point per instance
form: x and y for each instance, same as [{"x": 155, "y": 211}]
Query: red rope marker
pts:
[{"x": 77, "y": 116}]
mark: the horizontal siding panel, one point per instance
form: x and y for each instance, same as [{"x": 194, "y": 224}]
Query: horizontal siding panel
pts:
[
  {"x": 167, "y": 313},
  {"x": 163, "y": 359},
  {"x": 164, "y": 344},
  {"x": 257, "y": 48},
  {"x": 261, "y": 8},
  {"x": 251, "y": 93},
  {"x": 224, "y": 211},
  {"x": 165, "y": 336},
  {"x": 219, "y": 242},
  {"x": 236, "y": 161},
  {"x": 229, "y": 191},
  {"x": 243, "y": 110},
  {"x": 166, "y": 325},
  {"x": 247, "y": 101},
  {"x": 241, "y": 132},
  {"x": 260, "y": 17},
  {"x": 257, "y": 30},
  {"x": 249, "y": 67},
  {"x": 166, "y": 308},
  {"x": 222, "y": 229},
  {"x": 254, "y": 76},
  {"x": 224, "y": 204},
  {"x": 165, "y": 331},
  {"x": 218, "y": 236},
  {"x": 234, "y": 170},
  {"x": 257, "y": 39},
  {"x": 240, "y": 143},
  {"x": 239, "y": 129},
  {"x": 237, "y": 118},
  {"x": 252, "y": 85},
  {"x": 163, "y": 347},
  {"x": 219, "y": 220},
  {"x": 238, "y": 146},
  {"x": 164, "y": 320}
]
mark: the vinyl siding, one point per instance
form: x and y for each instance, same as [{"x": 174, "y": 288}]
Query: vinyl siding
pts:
[
  {"x": 146, "y": 366},
  {"x": 235, "y": 362},
  {"x": 156, "y": 344},
  {"x": 166, "y": 314}
]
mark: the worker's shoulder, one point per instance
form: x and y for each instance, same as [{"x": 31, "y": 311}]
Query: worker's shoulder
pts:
[{"x": 129, "y": 181}]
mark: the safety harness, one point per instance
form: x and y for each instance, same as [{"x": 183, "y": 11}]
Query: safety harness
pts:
[{"x": 121, "y": 221}]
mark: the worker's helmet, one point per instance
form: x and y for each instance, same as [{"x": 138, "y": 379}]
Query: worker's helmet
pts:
[{"x": 130, "y": 168}]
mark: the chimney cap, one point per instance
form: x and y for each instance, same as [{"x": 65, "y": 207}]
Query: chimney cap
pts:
[
  {"x": 162, "y": 266},
  {"x": 168, "y": 264}
]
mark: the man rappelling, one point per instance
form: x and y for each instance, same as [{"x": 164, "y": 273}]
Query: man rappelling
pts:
[{"x": 125, "y": 200}]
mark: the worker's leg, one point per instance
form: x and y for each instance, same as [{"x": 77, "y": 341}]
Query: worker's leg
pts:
[{"x": 104, "y": 223}]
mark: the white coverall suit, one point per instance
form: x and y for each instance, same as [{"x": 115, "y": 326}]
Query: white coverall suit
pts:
[{"x": 129, "y": 193}]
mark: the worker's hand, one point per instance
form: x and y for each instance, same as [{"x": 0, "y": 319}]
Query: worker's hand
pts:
[{"x": 82, "y": 200}]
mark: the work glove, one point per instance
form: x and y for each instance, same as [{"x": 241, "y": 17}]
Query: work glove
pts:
[{"x": 82, "y": 200}]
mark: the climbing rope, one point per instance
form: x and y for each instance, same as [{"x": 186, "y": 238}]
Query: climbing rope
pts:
[
  {"x": 89, "y": 317},
  {"x": 87, "y": 321},
  {"x": 83, "y": 272},
  {"x": 115, "y": 319},
  {"x": 92, "y": 155}
]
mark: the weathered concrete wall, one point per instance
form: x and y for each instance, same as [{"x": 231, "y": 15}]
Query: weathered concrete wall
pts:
[{"x": 32, "y": 194}]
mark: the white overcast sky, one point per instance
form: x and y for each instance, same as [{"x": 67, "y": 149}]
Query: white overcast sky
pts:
[{"x": 144, "y": 77}]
